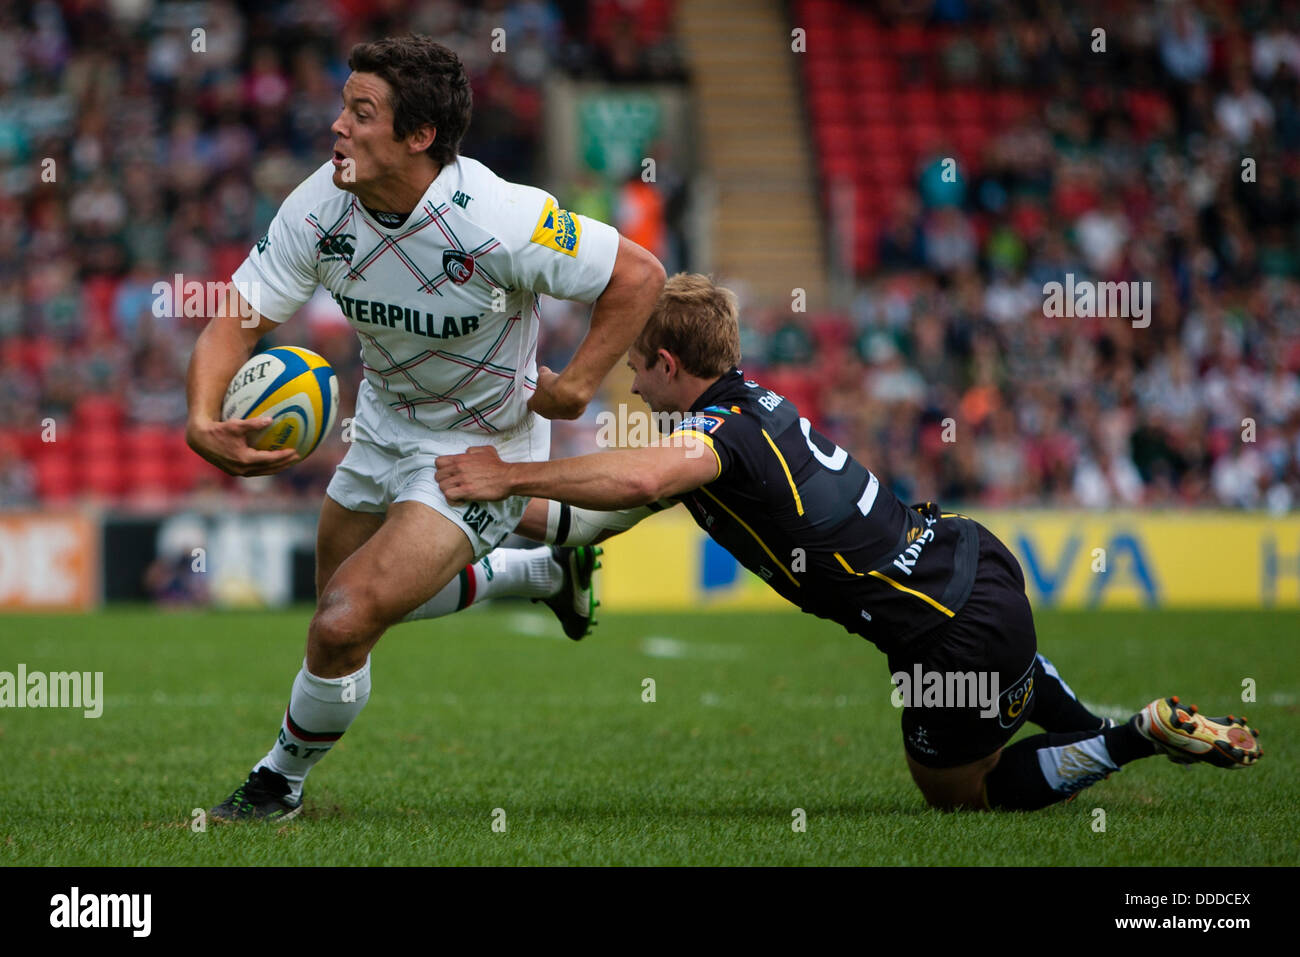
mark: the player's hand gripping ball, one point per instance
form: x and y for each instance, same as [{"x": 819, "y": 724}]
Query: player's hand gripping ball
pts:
[{"x": 296, "y": 388}]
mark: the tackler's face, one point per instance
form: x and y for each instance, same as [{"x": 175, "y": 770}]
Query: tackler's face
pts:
[
  {"x": 650, "y": 381},
  {"x": 365, "y": 150}
]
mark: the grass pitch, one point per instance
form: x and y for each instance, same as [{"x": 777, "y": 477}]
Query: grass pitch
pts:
[{"x": 754, "y": 716}]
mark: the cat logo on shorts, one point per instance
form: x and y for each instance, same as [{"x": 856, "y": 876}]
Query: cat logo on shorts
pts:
[
  {"x": 477, "y": 518},
  {"x": 1016, "y": 701}
]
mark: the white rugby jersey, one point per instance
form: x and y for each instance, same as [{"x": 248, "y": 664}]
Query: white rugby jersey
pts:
[{"x": 446, "y": 303}]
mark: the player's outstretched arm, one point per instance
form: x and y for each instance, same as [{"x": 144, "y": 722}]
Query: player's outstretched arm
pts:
[
  {"x": 616, "y": 320},
  {"x": 624, "y": 478},
  {"x": 558, "y": 523},
  {"x": 224, "y": 345}
]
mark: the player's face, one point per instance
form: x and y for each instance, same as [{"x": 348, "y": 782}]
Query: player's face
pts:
[
  {"x": 650, "y": 381},
  {"x": 365, "y": 151}
]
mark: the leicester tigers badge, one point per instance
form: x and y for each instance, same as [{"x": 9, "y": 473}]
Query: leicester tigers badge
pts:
[{"x": 457, "y": 265}]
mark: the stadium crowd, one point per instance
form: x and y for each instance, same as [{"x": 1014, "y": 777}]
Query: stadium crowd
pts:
[
  {"x": 125, "y": 159},
  {"x": 1169, "y": 152}
]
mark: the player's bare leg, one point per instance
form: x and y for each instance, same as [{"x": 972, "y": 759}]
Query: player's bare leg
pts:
[
  {"x": 953, "y": 789},
  {"x": 413, "y": 553},
  {"x": 339, "y": 533}
]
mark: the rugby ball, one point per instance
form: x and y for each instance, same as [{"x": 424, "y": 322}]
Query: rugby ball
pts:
[{"x": 296, "y": 388}]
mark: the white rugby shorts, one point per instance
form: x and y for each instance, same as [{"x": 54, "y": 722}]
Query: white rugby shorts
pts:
[{"x": 391, "y": 460}]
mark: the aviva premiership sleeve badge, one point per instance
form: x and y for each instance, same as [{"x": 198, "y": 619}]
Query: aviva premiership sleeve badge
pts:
[{"x": 557, "y": 229}]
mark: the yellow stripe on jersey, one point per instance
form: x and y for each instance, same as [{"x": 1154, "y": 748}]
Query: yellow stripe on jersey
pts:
[
  {"x": 761, "y": 543},
  {"x": 707, "y": 440},
  {"x": 912, "y": 591},
  {"x": 847, "y": 567},
  {"x": 798, "y": 503}
]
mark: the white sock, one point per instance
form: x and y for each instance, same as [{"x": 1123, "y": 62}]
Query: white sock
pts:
[
  {"x": 320, "y": 710},
  {"x": 1068, "y": 768},
  {"x": 521, "y": 572},
  {"x": 455, "y": 595}
]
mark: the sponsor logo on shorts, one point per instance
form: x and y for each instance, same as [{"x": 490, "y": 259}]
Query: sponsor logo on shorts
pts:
[
  {"x": 918, "y": 740},
  {"x": 1015, "y": 702},
  {"x": 477, "y": 518}
]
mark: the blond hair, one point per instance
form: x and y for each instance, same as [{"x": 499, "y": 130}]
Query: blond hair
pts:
[{"x": 697, "y": 321}]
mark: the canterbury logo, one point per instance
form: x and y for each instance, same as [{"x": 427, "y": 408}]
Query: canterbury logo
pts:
[{"x": 336, "y": 247}]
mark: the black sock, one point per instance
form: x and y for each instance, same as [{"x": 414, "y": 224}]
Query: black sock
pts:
[
  {"x": 1055, "y": 706},
  {"x": 1126, "y": 743},
  {"x": 1048, "y": 768}
]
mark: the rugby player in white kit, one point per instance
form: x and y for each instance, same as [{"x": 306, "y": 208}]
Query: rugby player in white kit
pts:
[{"x": 438, "y": 264}]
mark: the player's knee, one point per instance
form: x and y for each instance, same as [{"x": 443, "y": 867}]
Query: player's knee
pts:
[
  {"x": 345, "y": 619},
  {"x": 954, "y": 789}
]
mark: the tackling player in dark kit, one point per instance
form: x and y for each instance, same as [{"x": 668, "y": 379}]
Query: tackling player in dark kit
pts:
[{"x": 934, "y": 590}]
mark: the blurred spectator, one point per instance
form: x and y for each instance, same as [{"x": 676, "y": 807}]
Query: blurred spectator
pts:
[
  {"x": 1242, "y": 111},
  {"x": 1184, "y": 43}
]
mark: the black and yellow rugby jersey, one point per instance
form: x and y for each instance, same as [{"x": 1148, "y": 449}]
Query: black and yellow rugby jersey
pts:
[{"x": 817, "y": 526}]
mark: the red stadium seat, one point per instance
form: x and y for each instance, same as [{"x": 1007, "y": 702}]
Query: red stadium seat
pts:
[
  {"x": 925, "y": 139},
  {"x": 56, "y": 475},
  {"x": 920, "y": 105},
  {"x": 840, "y": 166},
  {"x": 105, "y": 409},
  {"x": 830, "y": 106},
  {"x": 94, "y": 440},
  {"x": 912, "y": 40},
  {"x": 818, "y": 13},
  {"x": 892, "y": 169},
  {"x": 143, "y": 441},
  {"x": 875, "y": 105},
  {"x": 878, "y": 74},
  {"x": 104, "y": 477},
  {"x": 965, "y": 106},
  {"x": 148, "y": 475},
  {"x": 866, "y": 37}
]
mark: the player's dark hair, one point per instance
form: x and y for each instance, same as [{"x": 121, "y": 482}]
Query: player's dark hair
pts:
[
  {"x": 696, "y": 321},
  {"x": 430, "y": 88}
]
